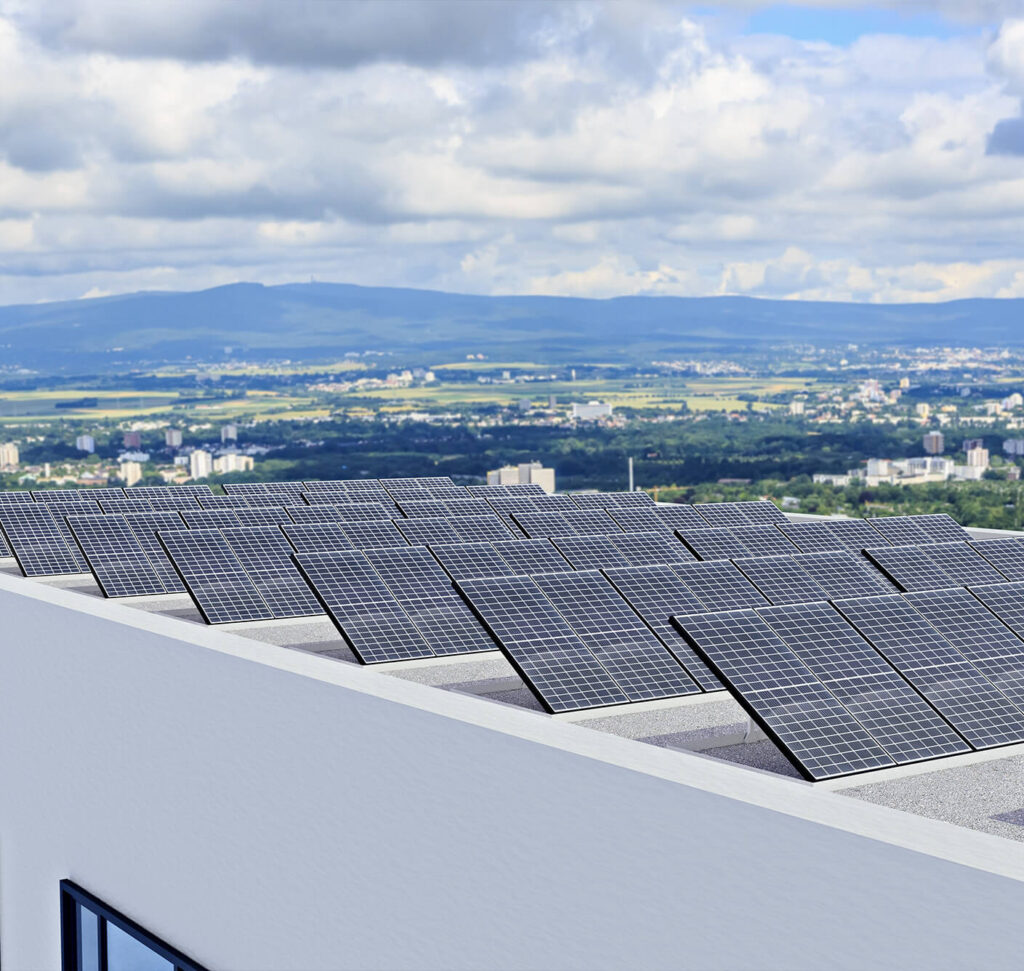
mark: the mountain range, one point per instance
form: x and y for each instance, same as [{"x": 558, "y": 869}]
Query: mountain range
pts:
[{"x": 311, "y": 321}]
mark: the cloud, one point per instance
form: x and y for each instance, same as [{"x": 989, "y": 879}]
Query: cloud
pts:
[{"x": 602, "y": 148}]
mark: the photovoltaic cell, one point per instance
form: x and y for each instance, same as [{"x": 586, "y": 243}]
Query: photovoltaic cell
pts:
[
  {"x": 425, "y": 593},
  {"x": 764, "y": 540},
  {"x": 656, "y": 594},
  {"x": 171, "y": 502},
  {"x": 781, "y": 579},
  {"x": 899, "y": 530},
  {"x": 895, "y": 715},
  {"x": 477, "y": 529},
  {"x": 639, "y": 520},
  {"x": 612, "y": 632},
  {"x": 72, "y": 506},
  {"x": 719, "y": 585},
  {"x": 589, "y": 552},
  {"x": 15, "y": 496},
  {"x": 539, "y": 525},
  {"x": 459, "y": 508},
  {"x": 957, "y": 689},
  {"x": 941, "y": 528},
  {"x": 145, "y": 525},
  {"x": 718, "y": 543},
  {"x": 593, "y": 522},
  {"x": 841, "y": 574},
  {"x": 978, "y": 635},
  {"x": 415, "y": 508},
  {"x": 680, "y": 516},
  {"x": 362, "y": 607},
  {"x": 821, "y": 738},
  {"x": 648, "y": 549},
  {"x": 1006, "y": 601},
  {"x": 528, "y": 556},
  {"x": 723, "y": 514},
  {"x": 1006, "y": 555},
  {"x": 426, "y": 530},
  {"x": 39, "y": 540},
  {"x": 117, "y": 560},
  {"x": 371, "y": 533},
  {"x": 909, "y": 568},
  {"x": 316, "y": 537},
  {"x": 962, "y": 564},
  {"x": 266, "y": 557},
  {"x": 463, "y": 561},
  {"x": 210, "y": 518},
  {"x": 262, "y": 516},
  {"x": 321, "y": 513},
  {"x": 540, "y": 644},
  {"x": 364, "y": 511},
  {"x": 213, "y": 576},
  {"x": 126, "y": 505},
  {"x": 762, "y": 511},
  {"x": 815, "y": 537}
]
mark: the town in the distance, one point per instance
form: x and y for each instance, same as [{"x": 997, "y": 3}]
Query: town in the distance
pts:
[{"x": 851, "y": 429}]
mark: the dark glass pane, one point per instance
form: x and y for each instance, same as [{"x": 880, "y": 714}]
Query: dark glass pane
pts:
[{"x": 88, "y": 940}]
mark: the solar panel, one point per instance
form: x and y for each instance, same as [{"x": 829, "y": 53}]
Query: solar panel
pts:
[
  {"x": 713, "y": 543},
  {"x": 402, "y": 494},
  {"x": 680, "y": 516},
  {"x": 589, "y": 552},
  {"x": 266, "y": 557},
  {"x": 313, "y": 514},
  {"x": 820, "y": 737},
  {"x": 957, "y": 689},
  {"x": 126, "y": 505},
  {"x": 612, "y": 632},
  {"x": 1006, "y": 601},
  {"x": 655, "y": 594},
  {"x": 978, "y": 635},
  {"x": 962, "y": 563},
  {"x": 262, "y": 516},
  {"x": 764, "y": 540},
  {"x": 15, "y": 496},
  {"x": 647, "y": 549},
  {"x": 210, "y": 518},
  {"x": 425, "y": 593},
  {"x": 425, "y": 531},
  {"x": 192, "y": 489},
  {"x": 780, "y": 579},
  {"x": 72, "y": 506},
  {"x": 909, "y": 568},
  {"x": 941, "y": 528},
  {"x": 525, "y": 489},
  {"x": 244, "y": 500},
  {"x": 527, "y": 556},
  {"x": 723, "y": 514},
  {"x": 117, "y": 560},
  {"x": 1006, "y": 555},
  {"x": 145, "y": 525},
  {"x": 762, "y": 511},
  {"x": 899, "y": 530},
  {"x": 317, "y": 537},
  {"x": 593, "y": 522},
  {"x": 77, "y": 495},
  {"x": 368, "y": 486},
  {"x": 893, "y": 713},
  {"x": 474, "y": 529},
  {"x": 719, "y": 585},
  {"x": 841, "y": 574},
  {"x": 415, "y": 508},
  {"x": 37, "y": 540},
  {"x": 538, "y": 525},
  {"x": 612, "y": 500},
  {"x": 835, "y": 534},
  {"x": 457, "y": 508},
  {"x": 639, "y": 520},
  {"x": 281, "y": 490},
  {"x": 361, "y": 606},
  {"x": 463, "y": 561},
  {"x": 364, "y": 511},
  {"x": 371, "y": 533},
  {"x": 172, "y": 501},
  {"x": 213, "y": 576},
  {"x": 540, "y": 644},
  {"x": 340, "y": 498},
  {"x": 488, "y": 490}
]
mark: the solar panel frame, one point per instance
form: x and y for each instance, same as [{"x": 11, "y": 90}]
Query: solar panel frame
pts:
[
  {"x": 116, "y": 559},
  {"x": 361, "y": 607},
  {"x": 266, "y": 556},
  {"x": 539, "y": 643},
  {"x": 893, "y": 713},
  {"x": 984, "y": 716},
  {"x": 818, "y": 735},
  {"x": 909, "y": 568},
  {"x": 655, "y": 594},
  {"x": 213, "y": 576}
]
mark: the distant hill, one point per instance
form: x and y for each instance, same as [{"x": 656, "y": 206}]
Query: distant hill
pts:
[{"x": 313, "y": 320}]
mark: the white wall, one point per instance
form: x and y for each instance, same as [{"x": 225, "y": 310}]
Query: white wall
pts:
[{"x": 258, "y": 817}]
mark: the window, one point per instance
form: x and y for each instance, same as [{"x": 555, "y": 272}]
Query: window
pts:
[{"x": 96, "y": 938}]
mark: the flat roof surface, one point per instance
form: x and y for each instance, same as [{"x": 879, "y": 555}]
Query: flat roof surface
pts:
[{"x": 982, "y": 791}]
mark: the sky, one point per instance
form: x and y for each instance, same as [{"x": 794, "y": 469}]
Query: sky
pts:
[{"x": 820, "y": 151}]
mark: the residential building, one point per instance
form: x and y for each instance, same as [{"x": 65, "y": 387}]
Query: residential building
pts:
[
  {"x": 232, "y": 462},
  {"x": 200, "y": 464},
  {"x": 172, "y": 437},
  {"x": 523, "y": 474},
  {"x": 9, "y": 455},
  {"x": 934, "y": 443},
  {"x": 229, "y": 433},
  {"x": 923, "y": 410},
  {"x": 796, "y": 406},
  {"x": 972, "y": 443},
  {"x": 132, "y": 440},
  {"x": 591, "y": 411},
  {"x": 1014, "y": 446},
  {"x": 85, "y": 443},
  {"x": 978, "y": 458},
  {"x": 131, "y": 472}
]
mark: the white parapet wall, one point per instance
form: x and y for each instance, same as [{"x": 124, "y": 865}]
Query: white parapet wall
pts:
[{"x": 261, "y": 808}]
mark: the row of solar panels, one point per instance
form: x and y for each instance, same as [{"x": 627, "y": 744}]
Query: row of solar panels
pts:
[{"x": 867, "y": 683}]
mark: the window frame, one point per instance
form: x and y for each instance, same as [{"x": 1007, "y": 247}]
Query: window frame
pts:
[{"x": 74, "y": 899}]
